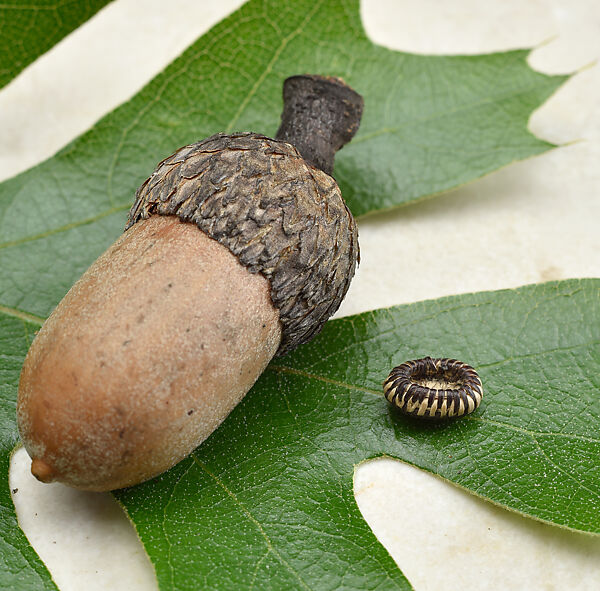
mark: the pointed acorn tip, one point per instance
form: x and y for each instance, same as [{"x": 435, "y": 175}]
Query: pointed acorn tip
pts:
[{"x": 42, "y": 471}]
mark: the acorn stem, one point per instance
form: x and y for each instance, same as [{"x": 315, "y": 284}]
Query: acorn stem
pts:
[{"x": 320, "y": 115}]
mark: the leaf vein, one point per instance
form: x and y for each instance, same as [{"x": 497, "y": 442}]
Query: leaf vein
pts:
[
  {"x": 253, "y": 519},
  {"x": 269, "y": 67}
]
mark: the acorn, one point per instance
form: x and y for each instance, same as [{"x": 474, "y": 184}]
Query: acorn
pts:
[{"x": 237, "y": 248}]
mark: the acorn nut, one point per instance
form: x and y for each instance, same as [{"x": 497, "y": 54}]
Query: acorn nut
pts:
[{"x": 237, "y": 248}]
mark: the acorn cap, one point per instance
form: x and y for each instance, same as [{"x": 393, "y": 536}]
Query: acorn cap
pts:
[
  {"x": 274, "y": 210},
  {"x": 278, "y": 215}
]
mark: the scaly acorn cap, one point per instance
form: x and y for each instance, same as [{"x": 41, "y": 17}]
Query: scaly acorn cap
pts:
[{"x": 274, "y": 210}]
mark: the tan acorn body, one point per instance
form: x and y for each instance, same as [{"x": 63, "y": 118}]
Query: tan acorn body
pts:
[{"x": 144, "y": 357}]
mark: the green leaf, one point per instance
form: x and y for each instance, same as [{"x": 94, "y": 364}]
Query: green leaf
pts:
[
  {"x": 431, "y": 123},
  {"x": 27, "y": 30},
  {"x": 268, "y": 498},
  {"x": 288, "y": 512},
  {"x": 20, "y": 567}
]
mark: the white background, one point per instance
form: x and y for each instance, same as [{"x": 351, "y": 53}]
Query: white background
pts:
[{"x": 532, "y": 221}]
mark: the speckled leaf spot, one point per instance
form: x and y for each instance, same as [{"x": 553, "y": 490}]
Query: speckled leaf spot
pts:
[{"x": 434, "y": 388}]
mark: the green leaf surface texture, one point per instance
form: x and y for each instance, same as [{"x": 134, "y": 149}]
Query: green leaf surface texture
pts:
[
  {"x": 267, "y": 501},
  {"x": 430, "y": 123},
  {"x": 29, "y": 29}
]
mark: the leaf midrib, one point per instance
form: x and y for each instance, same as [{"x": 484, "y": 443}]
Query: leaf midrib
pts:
[
  {"x": 66, "y": 227},
  {"x": 480, "y": 101},
  {"x": 21, "y": 315},
  {"x": 488, "y": 100},
  {"x": 263, "y": 533},
  {"x": 529, "y": 432}
]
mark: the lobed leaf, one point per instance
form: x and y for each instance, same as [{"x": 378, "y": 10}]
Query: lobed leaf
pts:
[
  {"x": 267, "y": 501},
  {"x": 431, "y": 123},
  {"x": 273, "y": 487}
]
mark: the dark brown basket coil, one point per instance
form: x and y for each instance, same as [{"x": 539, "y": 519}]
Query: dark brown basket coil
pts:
[{"x": 434, "y": 388}]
